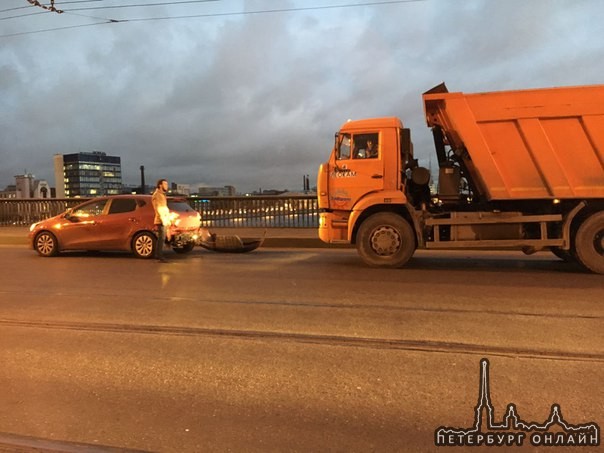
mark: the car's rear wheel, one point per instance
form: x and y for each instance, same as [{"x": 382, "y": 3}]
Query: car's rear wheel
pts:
[
  {"x": 46, "y": 244},
  {"x": 185, "y": 248},
  {"x": 143, "y": 245}
]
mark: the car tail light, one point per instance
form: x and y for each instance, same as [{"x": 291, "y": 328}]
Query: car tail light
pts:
[{"x": 174, "y": 218}]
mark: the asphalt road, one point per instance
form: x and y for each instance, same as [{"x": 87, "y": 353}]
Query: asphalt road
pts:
[{"x": 289, "y": 349}]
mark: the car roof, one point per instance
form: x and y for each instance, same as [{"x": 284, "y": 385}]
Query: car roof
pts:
[
  {"x": 111, "y": 197},
  {"x": 136, "y": 196}
]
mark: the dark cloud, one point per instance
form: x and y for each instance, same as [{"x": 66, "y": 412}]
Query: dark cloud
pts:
[{"x": 253, "y": 101}]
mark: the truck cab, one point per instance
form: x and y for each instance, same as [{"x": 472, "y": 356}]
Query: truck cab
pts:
[
  {"x": 365, "y": 175},
  {"x": 517, "y": 170}
]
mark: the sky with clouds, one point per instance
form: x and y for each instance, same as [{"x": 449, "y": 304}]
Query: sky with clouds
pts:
[{"x": 250, "y": 92}]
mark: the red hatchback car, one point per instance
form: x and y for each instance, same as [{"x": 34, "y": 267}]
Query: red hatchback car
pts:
[{"x": 121, "y": 222}]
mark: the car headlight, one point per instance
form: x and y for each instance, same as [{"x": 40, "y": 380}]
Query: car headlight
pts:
[{"x": 33, "y": 226}]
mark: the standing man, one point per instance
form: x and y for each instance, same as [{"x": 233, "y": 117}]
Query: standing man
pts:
[{"x": 162, "y": 217}]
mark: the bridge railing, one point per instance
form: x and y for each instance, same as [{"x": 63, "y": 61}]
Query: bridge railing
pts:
[
  {"x": 299, "y": 211},
  {"x": 268, "y": 212},
  {"x": 23, "y": 212}
]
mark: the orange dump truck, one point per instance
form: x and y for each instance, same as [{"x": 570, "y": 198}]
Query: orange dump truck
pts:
[{"x": 517, "y": 169}]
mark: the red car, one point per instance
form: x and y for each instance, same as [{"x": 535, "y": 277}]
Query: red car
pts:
[{"x": 121, "y": 222}]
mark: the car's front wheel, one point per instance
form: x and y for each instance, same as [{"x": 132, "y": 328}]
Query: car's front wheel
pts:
[
  {"x": 143, "y": 245},
  {"x": 46, "y": 244}
]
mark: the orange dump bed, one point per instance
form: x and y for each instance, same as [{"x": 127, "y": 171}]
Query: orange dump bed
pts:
[{"x": 529, "y": 144}]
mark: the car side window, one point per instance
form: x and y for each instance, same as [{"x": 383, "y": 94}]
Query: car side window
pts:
[
  {"x": 119, "y": 205},
  {"x": 91, "y": 209}
]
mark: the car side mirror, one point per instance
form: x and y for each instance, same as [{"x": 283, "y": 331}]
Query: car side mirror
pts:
[{"x": 69, "y": 216}]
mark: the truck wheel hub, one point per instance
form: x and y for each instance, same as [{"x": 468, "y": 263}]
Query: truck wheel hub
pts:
[{"x": 385, "y": 241}]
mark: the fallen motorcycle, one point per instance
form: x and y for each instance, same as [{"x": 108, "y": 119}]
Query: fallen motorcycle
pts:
[
  {"x": 230, "y": 243},
  {"x": 183, "y": 242}
]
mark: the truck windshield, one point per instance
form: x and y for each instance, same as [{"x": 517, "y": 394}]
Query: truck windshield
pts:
[{"x": 343, "y": 151}]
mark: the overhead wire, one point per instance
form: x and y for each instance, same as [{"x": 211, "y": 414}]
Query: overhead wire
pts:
[
  {"x": 38, "y": 12},
  {"x": 140, "y": 5},
  {"x": 277, "y": 10},
  {"x": 24, "y": 15},
  {"x": 55, "y": 29},
  {"x": 62, "y": 3},
  {"x": 206, "y": 15},
  {"x": 145, "y": 5}
]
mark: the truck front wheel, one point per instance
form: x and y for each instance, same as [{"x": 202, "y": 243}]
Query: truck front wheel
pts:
[
  {"x": 385, "y": 240},
  {"x": 589, "y": 243}
]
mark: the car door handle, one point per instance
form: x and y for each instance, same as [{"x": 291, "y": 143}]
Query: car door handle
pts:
[
  {"x": 132, "y": 219},
  {"x": 377, "y": 176}
]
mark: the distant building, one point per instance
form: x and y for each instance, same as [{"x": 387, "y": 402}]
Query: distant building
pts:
[
  {"x": 268, "y": 192},
  {"x": 27, "y": 186},
  {"x": 128, "y": 189},
  {"x": 9, "y": 192},
  {"x": 181, "y": 189},
  {"x": 87, "y": 174},
  {"x": 226, "y": 191}
]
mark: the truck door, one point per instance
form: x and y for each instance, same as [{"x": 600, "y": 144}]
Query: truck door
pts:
[{"x": 358, "y": 169}]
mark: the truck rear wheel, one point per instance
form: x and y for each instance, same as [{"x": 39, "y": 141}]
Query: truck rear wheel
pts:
[
  {"x": 385, "y": 240},
  {"x": 589, "y": 243}
]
